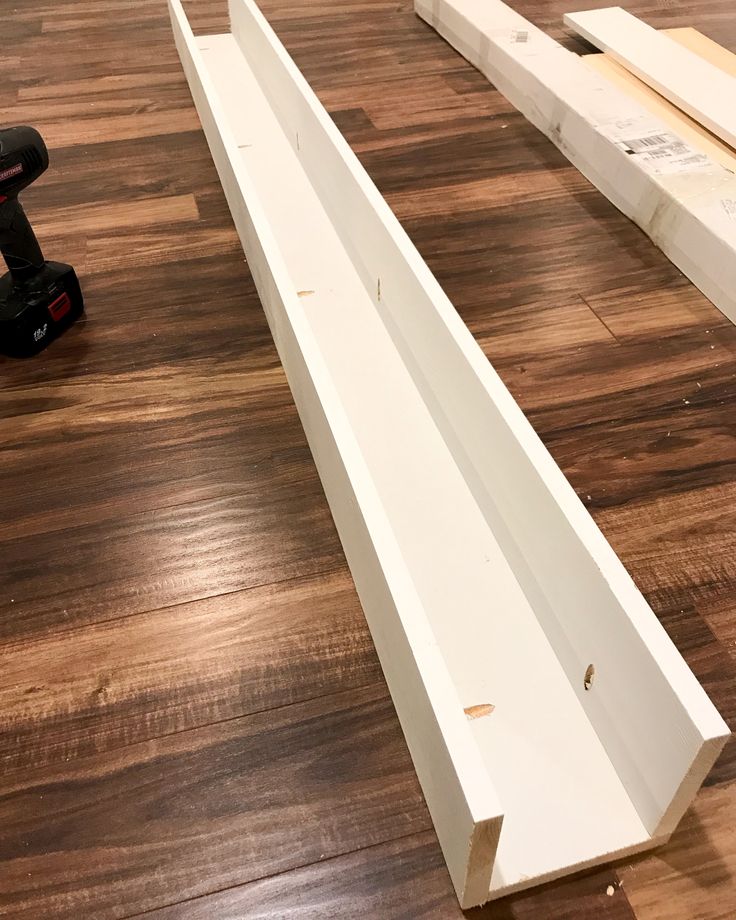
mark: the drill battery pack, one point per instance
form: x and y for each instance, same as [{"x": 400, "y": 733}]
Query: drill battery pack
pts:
[{"x": 36, "y": 310}]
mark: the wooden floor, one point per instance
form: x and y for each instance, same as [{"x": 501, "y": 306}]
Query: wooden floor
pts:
[{"x": 193, "y": 721}]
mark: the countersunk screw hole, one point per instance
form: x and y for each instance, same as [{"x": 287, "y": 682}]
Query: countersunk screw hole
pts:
[{"x": 589, "y": 675}]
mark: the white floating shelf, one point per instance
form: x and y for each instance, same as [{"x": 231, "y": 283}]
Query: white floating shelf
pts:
[{"x": 486, "y": 584}]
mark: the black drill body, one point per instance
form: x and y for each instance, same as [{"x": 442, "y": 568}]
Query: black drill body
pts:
[{"x": 38, "y": 299}]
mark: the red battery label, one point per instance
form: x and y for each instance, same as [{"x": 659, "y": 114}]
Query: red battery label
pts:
[{"x": 60, "y": 307}]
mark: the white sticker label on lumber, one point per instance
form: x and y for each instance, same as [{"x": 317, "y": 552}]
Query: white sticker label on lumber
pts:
[
  {"x": 551, "y": 721},
  {"x": 704, "y": 91}
]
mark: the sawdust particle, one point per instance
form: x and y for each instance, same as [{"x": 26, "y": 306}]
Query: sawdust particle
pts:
[{"x": 477, "y": 712}]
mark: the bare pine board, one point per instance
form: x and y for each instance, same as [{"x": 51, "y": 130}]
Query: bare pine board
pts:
[
  {"x": 684, "y": 126},
  {"x": 705, "y": 48},
  {"x": 688, "y": 128},
  {"x": 699, "y": 88}
]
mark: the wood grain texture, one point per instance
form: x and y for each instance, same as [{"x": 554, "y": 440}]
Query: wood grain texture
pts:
[
  {"x": 153, "y": 464},
  {"x": 156, "y": 558},
  {"x": 168, "y": 819},
  {"x": 373, "y": 883},
  {"x": 161, "y": 672},
  {"x": 665, "y": 885}
]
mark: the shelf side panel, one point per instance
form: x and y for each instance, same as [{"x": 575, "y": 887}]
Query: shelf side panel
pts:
[{"x": 465, "y": 811}]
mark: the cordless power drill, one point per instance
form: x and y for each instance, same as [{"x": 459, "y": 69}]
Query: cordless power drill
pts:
[{"x": 38, "y": 299}]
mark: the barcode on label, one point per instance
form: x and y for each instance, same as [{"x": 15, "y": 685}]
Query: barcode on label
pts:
[
  {"x": 668, "y": 152},
  {"x": 644, "y": 143},
  {"x": 519, "y": 35},
  {"x": 653, "y": 148}
]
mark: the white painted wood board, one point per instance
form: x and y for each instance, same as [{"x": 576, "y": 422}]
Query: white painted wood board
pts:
[
  {"x": 483, "y": 579},
  {"x": 679, "y": 196},
  {"x": 702, "y": 90}
]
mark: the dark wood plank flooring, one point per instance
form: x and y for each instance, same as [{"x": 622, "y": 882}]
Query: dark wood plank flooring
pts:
[{"x": 193, "y": 722}]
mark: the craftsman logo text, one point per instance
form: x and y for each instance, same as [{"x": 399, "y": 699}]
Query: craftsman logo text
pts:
[{"x": 11, "y": 171}]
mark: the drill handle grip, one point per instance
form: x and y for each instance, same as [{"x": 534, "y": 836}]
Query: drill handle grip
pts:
[{"x": 18, "y": 242}]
